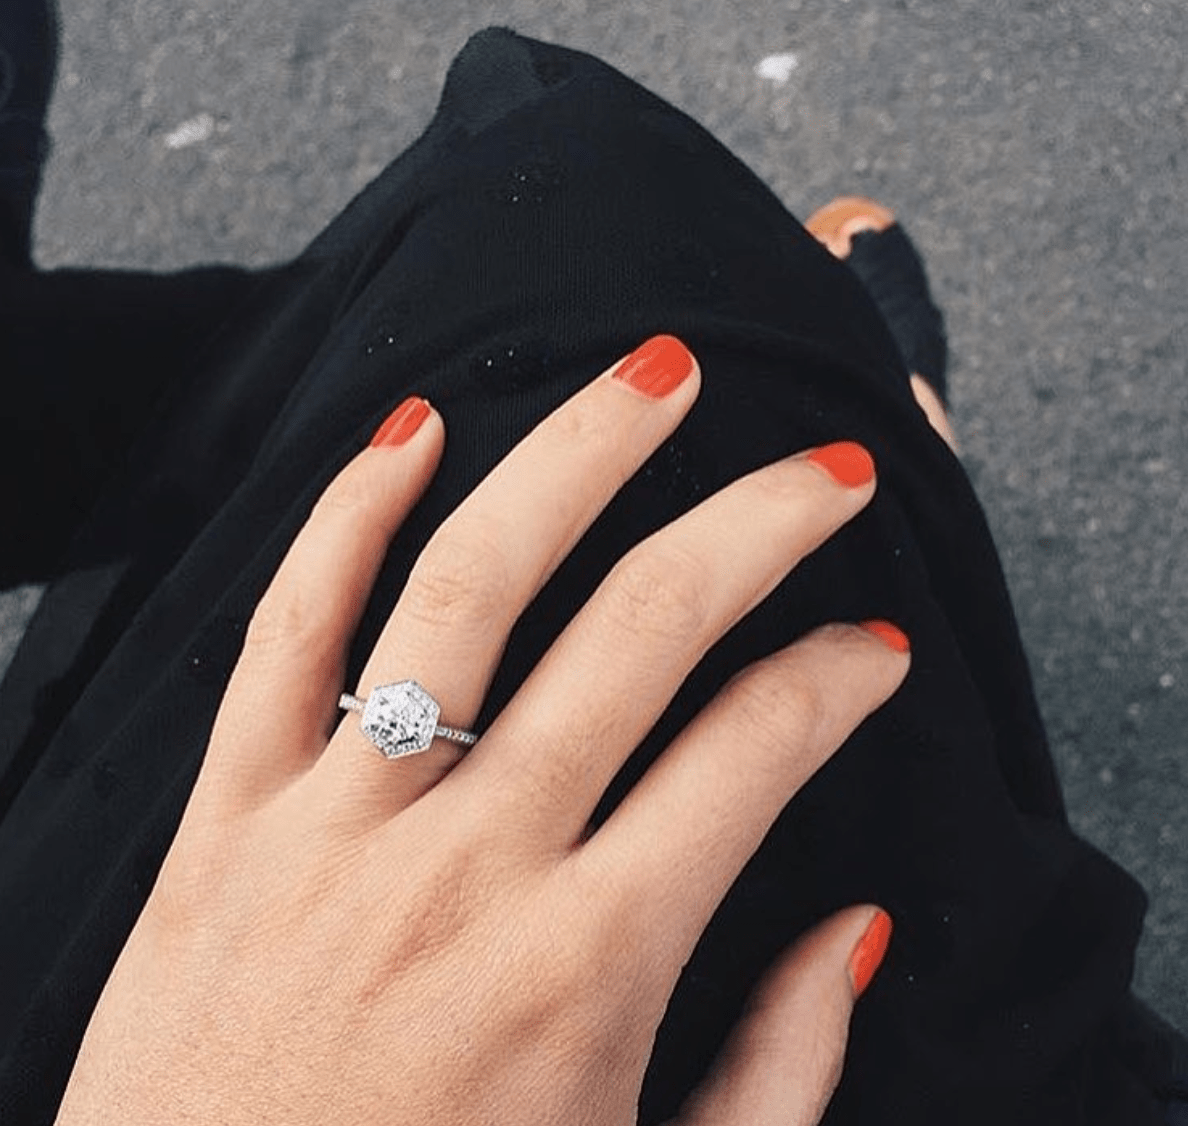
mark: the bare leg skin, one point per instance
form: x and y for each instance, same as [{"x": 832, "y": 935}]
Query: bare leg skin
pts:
[{"x": 834, "y": 225}]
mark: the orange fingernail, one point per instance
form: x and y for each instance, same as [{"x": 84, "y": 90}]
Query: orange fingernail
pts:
[
  {"x": 402, "y": 423},
  {"x": 657, "y": 366},
  {"x": 888, "y": 634},
  {"x": 846, "y": 462},
  {"x": 869, "y": 953}
]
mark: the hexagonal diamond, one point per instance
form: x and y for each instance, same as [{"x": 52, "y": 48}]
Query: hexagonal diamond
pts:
[{"x": 400, "y": 718}]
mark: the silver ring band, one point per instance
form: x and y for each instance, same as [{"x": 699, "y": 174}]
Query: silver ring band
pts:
[{"x": 401, "y": 719}]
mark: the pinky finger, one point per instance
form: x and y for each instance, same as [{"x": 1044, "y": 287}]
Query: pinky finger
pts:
[
  {"x": 281, "y": 701},
  {"x": 784, "y": 1059}
]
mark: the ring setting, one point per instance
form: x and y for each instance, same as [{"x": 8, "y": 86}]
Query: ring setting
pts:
[{"x": 401, "y": 719}]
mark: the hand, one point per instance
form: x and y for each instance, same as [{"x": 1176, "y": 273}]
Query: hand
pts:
[{"x": 339, "y": 938}]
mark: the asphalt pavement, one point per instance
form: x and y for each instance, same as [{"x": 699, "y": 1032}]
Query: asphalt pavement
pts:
[{"x": 1034, "y": 149}]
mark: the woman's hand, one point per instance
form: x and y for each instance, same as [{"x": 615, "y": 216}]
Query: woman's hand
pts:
[{"x": 339, "y": 938}]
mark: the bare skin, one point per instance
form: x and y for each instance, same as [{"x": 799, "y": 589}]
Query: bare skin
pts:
[
  {"x": 439, "y": 940},
  {"x": 835, "y": 225}
]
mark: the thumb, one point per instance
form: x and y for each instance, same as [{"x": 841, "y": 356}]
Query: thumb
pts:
[{"x": 784, "y": 1059}]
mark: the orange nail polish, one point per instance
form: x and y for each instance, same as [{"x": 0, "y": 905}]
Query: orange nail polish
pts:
[
  {"x": 889, "y": 635},
  {"x": 657, "y": 366},
  {"x": 846, "y": 462},
  {"x": 402, "y": 423},
  {"x": 869, "y": 953}
]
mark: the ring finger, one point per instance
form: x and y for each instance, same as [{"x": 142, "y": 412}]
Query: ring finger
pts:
[{"x": 488, "y": 560}]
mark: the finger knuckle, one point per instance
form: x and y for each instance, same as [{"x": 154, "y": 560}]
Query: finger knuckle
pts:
[
  {"x": 434, "y": 910},
  {"x": 285, "y": 620},
  {"x": 594, "y": 953},
  {"x": 354, "y": 491},
  {"x": 797, "y": 496},
  {"x": 553, "y": 775},
  {"x": 779, "y": 483},
  {"x": 660, "y": 593},
  {"x": 777, "y": 708},
  {"x": 627, "y": 962},
  {"x": 451, "y": 587},
  {"x": 580, "y": 422}
]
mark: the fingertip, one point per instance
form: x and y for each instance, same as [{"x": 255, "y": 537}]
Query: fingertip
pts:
[
  {"x": 893, "y": 640},
  {"x": 658, "y": 367},
  {"x": 888, "y": 633},
  {"x": 848, "y": 463},
  {"x": 403, "y": 423},
  {"x": 870, "y": 951}
]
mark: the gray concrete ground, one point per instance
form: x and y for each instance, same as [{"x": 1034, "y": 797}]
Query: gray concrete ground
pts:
[{"x": 1034, "y": 148}]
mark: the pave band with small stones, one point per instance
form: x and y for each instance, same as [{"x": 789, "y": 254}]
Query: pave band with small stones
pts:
[{"x": 401, "y": 719}]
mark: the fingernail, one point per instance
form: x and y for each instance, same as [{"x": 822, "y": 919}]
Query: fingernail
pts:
[
  {"x": 402, "y": 423},
  {"x": 846, "y": 462},
  {"x": 869, "y": 953},
  {"x": 889, "y": 635},
  {"x": 657, "y": 366}
]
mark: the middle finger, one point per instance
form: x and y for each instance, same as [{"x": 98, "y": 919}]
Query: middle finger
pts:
[{"x": 606, "y": 680}]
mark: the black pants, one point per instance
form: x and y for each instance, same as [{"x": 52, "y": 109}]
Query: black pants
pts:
[{"x": 165, "y": 437}]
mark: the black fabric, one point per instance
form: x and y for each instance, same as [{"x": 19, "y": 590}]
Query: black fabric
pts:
[
  {"x": 88, "y": 358},
  {"x": 553, "y": 216},
  {"x": 1156, "y": 1051},
  {"x": 28, "y": 63},
  {"x": 890, "y": 268}
]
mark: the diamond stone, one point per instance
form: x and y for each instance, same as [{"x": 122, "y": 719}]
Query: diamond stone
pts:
[{"x": 400, "y": 718}]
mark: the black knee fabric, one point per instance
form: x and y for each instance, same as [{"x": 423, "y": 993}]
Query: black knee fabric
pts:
[
  {"x": 553, "y": 216},
  {"x": 86, "y": 358}
]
